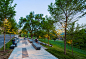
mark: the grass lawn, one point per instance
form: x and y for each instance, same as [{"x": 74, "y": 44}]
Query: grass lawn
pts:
[{"x": 58, "y": 50}]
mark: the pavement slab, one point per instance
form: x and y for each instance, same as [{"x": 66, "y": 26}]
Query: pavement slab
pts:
[
  {"x": 27, "y": 51},
  {"x": 24, "y": 53},
  {"x": 24, "y": 42},
  {"x": 16, "y": 53}
]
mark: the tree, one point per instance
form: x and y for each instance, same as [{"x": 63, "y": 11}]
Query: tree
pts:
[
  {"x": 38, "y": 28},
  {"x": 48, "y": 26},
  {"x": 53, "y": 34},
  {"x": 6, "y": 9},
  {"x": 71, "y": 34},
  {"x": 69, "y": 10},
  {"x": 28, "y": 22},
  {"x": 31, "y": 22},
  {"x": 6, "y": 12},
  {"x": 21, "y": 21},
  {"x": 38, "y": 17},
  {"x": 75, "y": 35},
  {"x": 80, "y": 38},
  {"x": 12, "y": 27}
]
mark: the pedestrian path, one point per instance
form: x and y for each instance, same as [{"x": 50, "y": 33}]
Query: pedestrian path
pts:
[{"x": 25, "y": 50}]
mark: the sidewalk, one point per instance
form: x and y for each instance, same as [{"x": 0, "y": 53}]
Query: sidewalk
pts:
[{"x": 25, "y": 50}]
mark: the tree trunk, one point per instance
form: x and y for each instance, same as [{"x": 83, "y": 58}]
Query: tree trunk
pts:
[
  {"x": 59, "y": 38},
  {"x": 72, "y": 45},
  {"x": 10, "y": 36},
  {"x": 72, "y": 48},
  {"x": 48, "y": 37},
  {"x": 68, "y": 47},
  {"x": 4, "y": 40},
  {"x": 27, "y": 35},
  {"x": 31, "y": 35},
  {"x": 65, "y": 37},
  {"x": 54, "y": 40},
  {"x": 48, "y": 40},
  {"x": 65, "y": 42}
]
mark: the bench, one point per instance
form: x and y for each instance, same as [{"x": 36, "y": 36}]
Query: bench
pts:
[
  {"x": 30, "y": 40},
  {"x": 40, "y": 42},
  {"x": 36, "y": 46},
  {"x": 44, "y": 43},
  {"x": 14, "y": 44},
  {"x": 51, "y": 45}
]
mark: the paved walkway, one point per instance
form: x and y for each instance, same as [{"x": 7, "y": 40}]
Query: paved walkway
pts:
[{"x": 25, "y": 50}]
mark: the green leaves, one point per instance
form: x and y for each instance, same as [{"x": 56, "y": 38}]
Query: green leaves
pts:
[
  {"x": 6, "y": 9},
  {"x": 67, "y": 8},
  {"x": 32, "y": 22}
]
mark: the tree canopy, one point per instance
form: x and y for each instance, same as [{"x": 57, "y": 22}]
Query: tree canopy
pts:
[{"x": 67, "y": 11}]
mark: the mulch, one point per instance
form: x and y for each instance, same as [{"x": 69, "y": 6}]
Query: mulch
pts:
[{"x": 6, "y": 54}]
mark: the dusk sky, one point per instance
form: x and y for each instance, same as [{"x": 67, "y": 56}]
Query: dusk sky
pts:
[{"x": 24, "y": 7}]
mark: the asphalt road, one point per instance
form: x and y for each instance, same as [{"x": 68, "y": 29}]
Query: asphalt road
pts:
[{"x": 7, "y": 38}]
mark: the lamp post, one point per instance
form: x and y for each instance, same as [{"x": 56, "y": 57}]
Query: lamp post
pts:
[{"x": 4, "y": 32}]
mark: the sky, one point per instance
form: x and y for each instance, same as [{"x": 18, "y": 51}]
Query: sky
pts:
[{"x": 24, "y": 7}]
